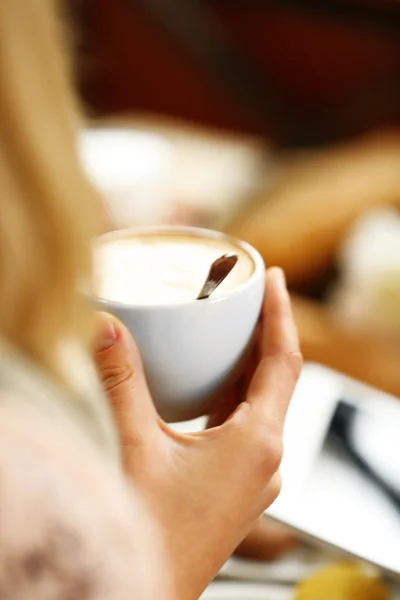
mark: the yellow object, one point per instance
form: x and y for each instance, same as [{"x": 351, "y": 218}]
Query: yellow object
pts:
[{"x": 342, "y": 581}]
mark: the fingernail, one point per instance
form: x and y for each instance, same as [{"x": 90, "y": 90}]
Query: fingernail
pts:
[
  {"x": 280, "y": 278},
  {"x": 106, "y": 337}
]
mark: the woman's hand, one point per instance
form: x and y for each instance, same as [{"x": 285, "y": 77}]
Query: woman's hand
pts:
[{"x": 206, "y": 489}]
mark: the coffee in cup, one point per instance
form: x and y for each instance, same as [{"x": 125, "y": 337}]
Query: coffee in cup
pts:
[
  {"x": 150, "y": 278},
  {"x": 164, "y": 268}
]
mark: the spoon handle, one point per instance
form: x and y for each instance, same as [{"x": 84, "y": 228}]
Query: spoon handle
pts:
[{"x": 219, "y": 269}]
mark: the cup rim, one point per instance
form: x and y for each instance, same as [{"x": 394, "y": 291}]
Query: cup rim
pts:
[{"x": 259, "y": 265}]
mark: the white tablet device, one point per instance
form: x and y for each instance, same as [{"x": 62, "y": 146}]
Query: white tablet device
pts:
[{"x": 341, "y": 467}]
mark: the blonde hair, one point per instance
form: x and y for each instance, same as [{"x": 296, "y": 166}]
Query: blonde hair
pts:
[{"x": 48, "y": 211}]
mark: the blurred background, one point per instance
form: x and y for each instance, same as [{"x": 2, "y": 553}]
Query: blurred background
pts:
[{"x": 275, "y": 120}]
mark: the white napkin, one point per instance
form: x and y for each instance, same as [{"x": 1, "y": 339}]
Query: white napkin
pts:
[
  {"x": 246, "y": 591},
  {"x": 292, "y": 567}
]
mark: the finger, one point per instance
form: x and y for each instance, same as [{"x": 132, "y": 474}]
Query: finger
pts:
[
  {"x": 120, "y": 368},
  {"x": 279, "y": 331},
  {"x": 236, "y": 390},
  {"x": 276, "y": 375},
  {"x": 252, "y": 365},
  {"x": 227, "y": 405},
  {"x": 246, "y": 360}
]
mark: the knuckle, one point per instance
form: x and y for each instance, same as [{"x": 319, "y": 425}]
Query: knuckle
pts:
[
  {"x": 269, "y": 450},
  {"x": 258, "y": 439},
  {"x": 115, "y": 374},
  {"x": 274, "y": 487},
  {"x": 274, "y": 455},
  {"x": 296, "y": 361},
  {"x": 292, "y": 361}
]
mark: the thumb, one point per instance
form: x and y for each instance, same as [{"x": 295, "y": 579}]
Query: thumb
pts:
[{"x": 118, "y": 363}]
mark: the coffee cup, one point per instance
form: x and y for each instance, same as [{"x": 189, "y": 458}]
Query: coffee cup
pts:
[{"x": 149, "y": 278}]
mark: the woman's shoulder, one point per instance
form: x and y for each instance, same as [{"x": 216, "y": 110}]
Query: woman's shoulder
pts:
[
  {"x": 71, "y": 525},
  {"x": 65, "y": 512}
]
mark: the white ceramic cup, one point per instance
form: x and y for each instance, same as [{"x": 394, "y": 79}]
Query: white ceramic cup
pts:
[{"x": 190, "y": 349}]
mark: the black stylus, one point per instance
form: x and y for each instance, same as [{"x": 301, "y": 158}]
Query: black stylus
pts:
[{"x": 341, "y": 433}]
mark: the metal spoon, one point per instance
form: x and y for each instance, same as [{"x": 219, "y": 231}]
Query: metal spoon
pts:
[{"x": 219, "y": 269}]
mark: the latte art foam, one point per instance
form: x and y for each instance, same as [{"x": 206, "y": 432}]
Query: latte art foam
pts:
[{"x": 163, "y": 268}]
